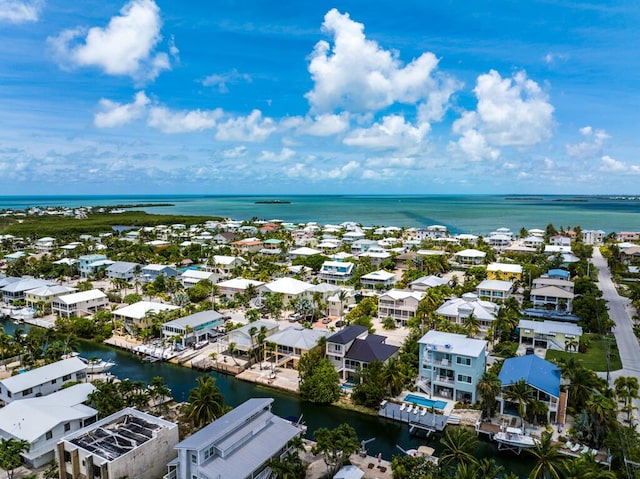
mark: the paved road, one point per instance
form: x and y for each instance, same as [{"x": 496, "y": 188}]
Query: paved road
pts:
[{"x": 620, "y": 312}]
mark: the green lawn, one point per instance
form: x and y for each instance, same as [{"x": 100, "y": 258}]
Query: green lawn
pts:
[{"x": 596, "y": 356}]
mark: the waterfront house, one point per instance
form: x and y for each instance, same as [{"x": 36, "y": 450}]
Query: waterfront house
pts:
[
  {"x": 79, "y": 304},
  {"x": 123, "y": 270},
  {"x": 129, "y": 443},
  {"x": 494, "y": 290},
  {"x": 191, "y": 277},
  {"x": 533, "y": 241},
  {"x": 43, "y": 421},
  {"x": 336, "y": 272},
  {"x": 549, "y": 334},
  {"x": 45, "y": 294},
  {"x": 353, "y": 349},
  {"x": 194, "y": 327},
  {"x": 151, "y": 271},
  {"x": 470, "y": 257},
  {"x": 504, "y": 271},
  {"x": 136, "y": 315},
  {"x": 628, "y": 236},
  {"x": 451, "y": 365},
  {"x": 400, "y": 305},
  {"x": 238, "y": 445},
  {"x": 290, "y": 288},
  {"x": 425, "y": 282},
  {"x": 457, "y": 310},
  {"x": 89, "y": 264},
  {"x": 542, "y": 376},
  {"x": 16, "y": 290},
  {"x": 378, "y": 280},
  {"x": 43, "y": 380},
  {"x": 242, "y": 338},
  {"x": 291, "y": 344},
  {"x": 593, "y": 236}
]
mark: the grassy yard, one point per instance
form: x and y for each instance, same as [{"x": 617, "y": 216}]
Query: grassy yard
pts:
[{"x": 596, "y": 356}]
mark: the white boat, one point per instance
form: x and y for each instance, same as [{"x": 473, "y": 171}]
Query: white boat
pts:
[
  {"x": 422, "y": 451},
  {"x": 514, "y": 439},
  {"x": 97, "y": 365}
]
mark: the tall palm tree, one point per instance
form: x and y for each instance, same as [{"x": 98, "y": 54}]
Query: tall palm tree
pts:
[
  {"x": 521, "y": 393},
  {"x": 459, "y": 446},
  {"x": 471, "y": 325},
  {"x": 547, "y": 459},
  {"x": 10, "y": 454},
  {"x": 205, "y": 402},
  {"x": 627, "y": 390},
  {"x": 393, "y": 376},
  {"x": 489, "y": 387}
]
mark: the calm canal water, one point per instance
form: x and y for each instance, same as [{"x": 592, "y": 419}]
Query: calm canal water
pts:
[{"x": 388, "y": 434}]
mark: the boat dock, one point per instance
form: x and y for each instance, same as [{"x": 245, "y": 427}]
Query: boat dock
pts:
[{"x": 418, "y": 418}]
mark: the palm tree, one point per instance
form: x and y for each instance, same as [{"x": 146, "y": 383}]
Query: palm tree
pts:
[
  {"x": 10, "y": 454},
  {"x": 232, "y": 349},
  {"x": 343, "y": 294},
  {"x": 205, "y": 403},
  {"x": 471, "y": 325},
  {"x": 571, "y": 344},
  {"x": 459, "y": 446},
  {"x": 547, "y": 459},
  {"x": 521, "y": 393},
  {"x": 393, "y": 376},
  {"x": 627, "y": 390},
  {"x": 489, "y": 387}
]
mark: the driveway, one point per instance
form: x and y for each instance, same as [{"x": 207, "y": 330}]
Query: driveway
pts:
[{"x": 620, "y": 312}]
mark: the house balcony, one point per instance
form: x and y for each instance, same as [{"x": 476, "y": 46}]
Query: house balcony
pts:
[{"x": 443, "y": 380}]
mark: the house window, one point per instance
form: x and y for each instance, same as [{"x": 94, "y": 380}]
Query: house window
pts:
[
  {"x": 48, "y": 435},
  {"x": 67, "y": 426},
  {"x": 194, "y": 459},
  {"x": 463, "y": 361},
  {"x": 53, "y": 381},
  {"x": 9, "y": 393},
  {"x": 26, "y": 392},
  {"x": 67, "y": 456},
  {"x": 464, "y": 379},
  {"x": 66, "y": 377}
]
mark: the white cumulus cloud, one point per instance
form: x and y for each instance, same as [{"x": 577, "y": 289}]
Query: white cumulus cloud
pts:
[
  {"x": 356, "y": 74},
  {"x": 250, "y": 128},
  {"x": 510, "y": 112},
  {"x": 184, "y": 121},
  {"x": 301, "y": 170},
  {"x": 283, "y": 155},
  {"x": 115, "y": 114},
  {"x": 610, "y": 165},
  {"x": 233, "y": 153},
  {"x": 392, "y": 132},
  {"x": 591, "y": 146},
  {"x": 326, "y": 124},
  {"x": 126, "y": 46},
  {"x": 15, "y": 11}
]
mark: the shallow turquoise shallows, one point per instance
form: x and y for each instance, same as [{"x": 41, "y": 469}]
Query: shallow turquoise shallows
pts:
[{"x": 422, "y": 401}]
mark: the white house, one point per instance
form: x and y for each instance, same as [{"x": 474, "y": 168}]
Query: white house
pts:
[
  {"x": 223, "y": 265},
  {"x": 399, "y": 305},
  {"x": 231, "y": 287},
  {"x": 192, "y": 277},
  {"x": 457, "y": 310},
  {"x": 79, "y": 304},
  {"x": 43, "y": 380},
  {"x": 194, "y": 327},
  {"x": 425, "y": 282},
  {"x": 336, "y": 272},
  {"x": 238, "y": 445},
  {"x": 123, "y": 270},
  {"x": 471, "y": 257},
  {"x": 43, "y": 421},
  {"x": 494, "y": 290},
  {"x": 290, "y": 288},
  {"x": 378, "y": 279},
  {"x": 135, "y": 314}
]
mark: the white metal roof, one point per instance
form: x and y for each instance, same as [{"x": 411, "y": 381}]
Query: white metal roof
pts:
[
  {"x": 506, "y": 267},
  {"x": 454, "y": 343},
  {"x": 289, "y": 286},
  {"x": 551, "y": 327},
  {"x": 43, "y": 374},
  {"x": 81, "y": 297},
  {"x": 141, "y": 308}
]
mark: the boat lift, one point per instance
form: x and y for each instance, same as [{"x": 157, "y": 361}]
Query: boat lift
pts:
[{"x": 363, "y": 446}]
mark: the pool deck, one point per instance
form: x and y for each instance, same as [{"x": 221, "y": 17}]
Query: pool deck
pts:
[{"x": 418, "y": 418}]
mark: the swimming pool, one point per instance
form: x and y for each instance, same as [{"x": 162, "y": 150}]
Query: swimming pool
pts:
[{"x": 422, "y": 401}]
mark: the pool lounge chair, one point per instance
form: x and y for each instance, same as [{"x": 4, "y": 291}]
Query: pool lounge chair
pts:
[
  {"x": 585, "y": 450},
  {"x": 404, "y": 405},
  {"x": 410, "y": 408},
  {"x": 576, "y": 447},
  {"x": 424, "y": 411},
  {"x": 568, "y": 445},
  {"x": 594, "y": 452}
]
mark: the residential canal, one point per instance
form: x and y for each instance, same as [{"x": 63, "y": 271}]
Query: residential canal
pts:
[{"x": 388, "y": 434}]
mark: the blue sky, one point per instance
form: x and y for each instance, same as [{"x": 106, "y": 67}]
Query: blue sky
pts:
[{"x": 240, "y": 97}]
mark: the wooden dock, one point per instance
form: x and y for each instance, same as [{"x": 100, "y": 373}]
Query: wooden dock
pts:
[{"x": 418, "y": 418}]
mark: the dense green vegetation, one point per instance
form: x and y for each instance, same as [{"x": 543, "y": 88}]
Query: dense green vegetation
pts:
[
  {"x": 594, "y": 353},
  {"x": 60, "y": 227}
]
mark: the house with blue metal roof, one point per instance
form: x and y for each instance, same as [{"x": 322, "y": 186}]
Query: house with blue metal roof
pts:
[{"x": 542, "y": 376}]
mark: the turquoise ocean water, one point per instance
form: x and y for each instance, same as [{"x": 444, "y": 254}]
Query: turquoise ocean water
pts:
[{"x": 478, "y": 214}]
